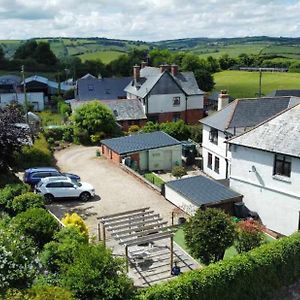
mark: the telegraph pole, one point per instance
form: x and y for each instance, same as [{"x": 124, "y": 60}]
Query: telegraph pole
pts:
[{"x": 24, "y": 91}]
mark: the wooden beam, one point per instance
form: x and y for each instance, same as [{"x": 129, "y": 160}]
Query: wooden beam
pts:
[
  {"x": 152, "y": 226},
  {"x": 129, "y": 216},
  {"x": 133, "y": 224},
  {"x": 150, "y": 238},
  {"x": 122, "y": 213},
  {"x": 129, "y": 221}
]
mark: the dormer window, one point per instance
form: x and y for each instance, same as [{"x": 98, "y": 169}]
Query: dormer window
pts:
[
  {"x": 176, "y": 101},
  {"x": 213, "y": 136}
]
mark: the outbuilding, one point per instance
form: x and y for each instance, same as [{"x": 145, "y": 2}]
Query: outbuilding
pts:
[
  {"x": 192, "y": 193},
  {"x": 145, "y": 151}
]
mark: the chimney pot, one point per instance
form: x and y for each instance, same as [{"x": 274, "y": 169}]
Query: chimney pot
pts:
[{"x": 223, "y": 99}]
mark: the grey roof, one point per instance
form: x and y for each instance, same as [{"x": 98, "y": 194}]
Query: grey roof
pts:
[
  {"x": 10, "y": 79},
  {"x": 123, "y": 109},
  {"x": 90, "y": 88},
  {"x": 280, "y": 134},
  {"x": 150, "y": 76},
  {"x": 247, "y": 113},
  {"x": 280, "y": 93},
  {"x": 140, "y": 142},
  {"x": 214, "y": 96},
  {"x": 201, "y": 190}
]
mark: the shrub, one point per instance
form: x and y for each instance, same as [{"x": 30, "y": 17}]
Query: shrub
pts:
[
  {"x": 249, "y": 235},
  {"x": 75, "y": 220},
  {"x": 133, "y": 128},
  {"x": 81, "y": 136},
  {"x": 63, "y": 108},
  {"x": 38, "y": 154},
  {"x": 256, "y": 274},
  {"x": 178, "y": 171},
  {"x": 9, "y": 192},
  {"x": 56, "y": 133},
  {"x": 37, "y": 224},
  {"x": 25, "y": 201},
  {"x": 209, "y": 233},
  {"x": 96, "y": 274}
]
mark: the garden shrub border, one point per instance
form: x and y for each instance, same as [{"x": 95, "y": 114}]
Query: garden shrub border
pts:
[{"x": 253, "y": 275}]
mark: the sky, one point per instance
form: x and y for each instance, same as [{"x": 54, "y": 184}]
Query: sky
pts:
[{"x": 148, "y": 20}]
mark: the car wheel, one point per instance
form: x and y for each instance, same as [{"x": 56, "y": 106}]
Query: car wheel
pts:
[
  {"x": 85, "y": 196},
  {"x": 48, "y": 198}
]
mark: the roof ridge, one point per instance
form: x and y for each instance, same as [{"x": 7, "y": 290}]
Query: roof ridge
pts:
[{"x": 233, "y": 112}]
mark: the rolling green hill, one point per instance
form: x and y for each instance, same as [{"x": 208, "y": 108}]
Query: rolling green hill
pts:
[
  {"x": 240, "y": 84},
  {"x": 105, "y": 56}
]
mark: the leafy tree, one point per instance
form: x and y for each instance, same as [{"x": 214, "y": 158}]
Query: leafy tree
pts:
[
  {"x": 96, "y": 274},
  {"x": 249, "y": 235},
  {"x": 26, "y": 50},
  {"x": 37, "y": 224},
  {"x": 150, "y": 127},
  {"x": 28, "y": 200},
  {"x": 95, "y": 117},
  {"x": 205, "y": 80},
  {"x": 246, "y": 60},
  {"x": 12, "y": 137},
  {"x": 158, "y": 57},
  {"x": 44, "y": 55},
  {"x": 178, "y": 130},
  {"x": 178, "y": 171},
  {"x": 226, "y": 62},
  {"x": 75, "y": 220},
  {"x": 209, "y": 233}
]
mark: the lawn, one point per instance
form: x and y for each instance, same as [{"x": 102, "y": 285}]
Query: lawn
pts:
[
  {"x": 105, "y": 56},
  {"x": 154, "y": 179},
  {"x": 242, "y": 84},
  {"x": 230, "y": 252},
  {"x": 49, "y": 118}
]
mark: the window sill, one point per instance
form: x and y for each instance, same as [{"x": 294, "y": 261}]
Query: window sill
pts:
[{"x": 282, "y": 178}]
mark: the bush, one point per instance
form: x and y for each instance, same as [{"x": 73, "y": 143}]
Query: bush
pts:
[
  {"x": 96, "y": 274},
  {"x": 209, "y": 233},
  {"x": 56, "y": 133},
  {"x": 38, "y": 155},
  {"x": 178, "y": 171},
  {"x": 37, "y": 224},
  {"x": 63, "y": 108},
  {"x": 133, "y": 129},
  {"x": 81, "y": 136},
  {"x": 9, "y": 192},
  {"x": 249, "y": 235},
  {"x": 25, "y": 201},
  {"x": 75, "y": 220},
  {"x": 256, "y": 274}
]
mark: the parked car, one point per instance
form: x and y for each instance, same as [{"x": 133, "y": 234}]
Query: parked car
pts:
[
  {"x": 33, "y": 175},
  {"x": 64, "y": 187}
]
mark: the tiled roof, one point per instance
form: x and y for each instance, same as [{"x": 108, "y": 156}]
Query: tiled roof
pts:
[
  {"x": 140, "y": 142},
  {"x": 247, "y": 113},
  {"x": 280, "y": 93},
  {"x": 280, "y": 134},
  {"x": 201, "y": 190}
]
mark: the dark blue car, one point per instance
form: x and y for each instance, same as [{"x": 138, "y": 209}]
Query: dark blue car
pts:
[{"x": 33, "y": 176}]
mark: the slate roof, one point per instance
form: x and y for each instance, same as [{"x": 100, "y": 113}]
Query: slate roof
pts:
[
  {"x": 150, "y": 76},
  {"x": 201, "y": 190},
  {"x": 280, "y": 134},
  {"x": 246, "y": 113},
  {"x": 214, "y": 96},
  {"x": 91, "y": 88},
  {"x": 123, "y": 109},
  {"x": 10, "y": 79},
  {"x": 140, "y": 142},
  {"x": 280, "y": 93}
]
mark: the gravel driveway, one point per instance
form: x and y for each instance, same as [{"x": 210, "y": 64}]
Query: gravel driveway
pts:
[{"x": 116, "y": 190}]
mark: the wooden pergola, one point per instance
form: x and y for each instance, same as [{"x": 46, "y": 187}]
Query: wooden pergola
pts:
[{"x": 136, "y": 227}]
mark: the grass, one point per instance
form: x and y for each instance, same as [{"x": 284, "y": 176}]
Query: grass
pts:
[
  {"x": 105, "y": 56},
  {"x": 230, "y": 252},
  {"x": 154, "y": 179},
  {"x": 50, "y": 118},
  {"x": 242, "y": 84}
]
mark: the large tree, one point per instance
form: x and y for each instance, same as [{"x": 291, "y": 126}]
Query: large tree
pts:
[
  {"x": 209, "y": 233},
  {"x": 12, "y": 135}
]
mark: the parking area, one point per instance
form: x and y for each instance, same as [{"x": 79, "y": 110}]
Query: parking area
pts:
[{"x": 116, "y": 190}]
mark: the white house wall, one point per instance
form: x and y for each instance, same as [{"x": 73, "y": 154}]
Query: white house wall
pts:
[
  {"x": 277, "y": 201},
  {"x": 164, "y": 103},
  {"x": 164, "y": 158},
  {"x": 143, "y": 156},
  {"x": 195, "y": 102},
  {"x": 218, "y": 150},
  {"x": 180, "y": 201}
]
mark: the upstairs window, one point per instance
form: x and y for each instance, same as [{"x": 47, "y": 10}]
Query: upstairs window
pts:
[
  {"x": 91, "y": 87},
  {"x": 209, "y": 160},
  {"x": 282, "y": 165},
  {"x": 217, "y": 164},
  {"x": 176, "y": 101},
  {"x": 213, "y": 136}
]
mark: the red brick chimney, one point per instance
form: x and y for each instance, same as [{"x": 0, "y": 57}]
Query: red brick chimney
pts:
[
  {"x": 136, "y": 72},
  {"x": 174, "y": 69}
]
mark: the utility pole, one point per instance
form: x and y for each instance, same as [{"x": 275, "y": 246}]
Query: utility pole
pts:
[
  {"x": 24, "y": 91},
  {"x": 259, "y": 85}
]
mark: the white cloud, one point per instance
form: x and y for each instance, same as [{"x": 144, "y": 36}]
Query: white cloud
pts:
[{"x": 148, "y": 19}]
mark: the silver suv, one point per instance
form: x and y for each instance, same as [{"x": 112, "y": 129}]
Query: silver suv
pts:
[{"x": 64, "y": 187}]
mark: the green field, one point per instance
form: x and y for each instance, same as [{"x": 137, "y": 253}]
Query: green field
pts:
[
  {"x": 105, "y": 56},
  {"x": 241, "y": 84}
]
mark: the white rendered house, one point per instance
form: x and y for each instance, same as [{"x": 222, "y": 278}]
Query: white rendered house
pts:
[
  {"x": 265, "y": 168},
  {"x": 230, "y": 120}
]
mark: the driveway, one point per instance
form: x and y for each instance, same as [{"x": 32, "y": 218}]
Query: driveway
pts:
[{"x": 116, "y": 190}]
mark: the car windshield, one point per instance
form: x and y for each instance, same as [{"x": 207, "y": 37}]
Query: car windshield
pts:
[
  {"x": 76, "y": 183},
  {"x": 39, "y": 184}
]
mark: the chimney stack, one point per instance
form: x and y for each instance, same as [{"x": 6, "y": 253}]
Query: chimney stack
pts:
[
  {"x": 143, "y": 64},
  {"x": 174, "y": 69},
  {"x": 136, "y": 72},
  {"x": 164, "y": 67},
  {"x": 223, "y": 99}
]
